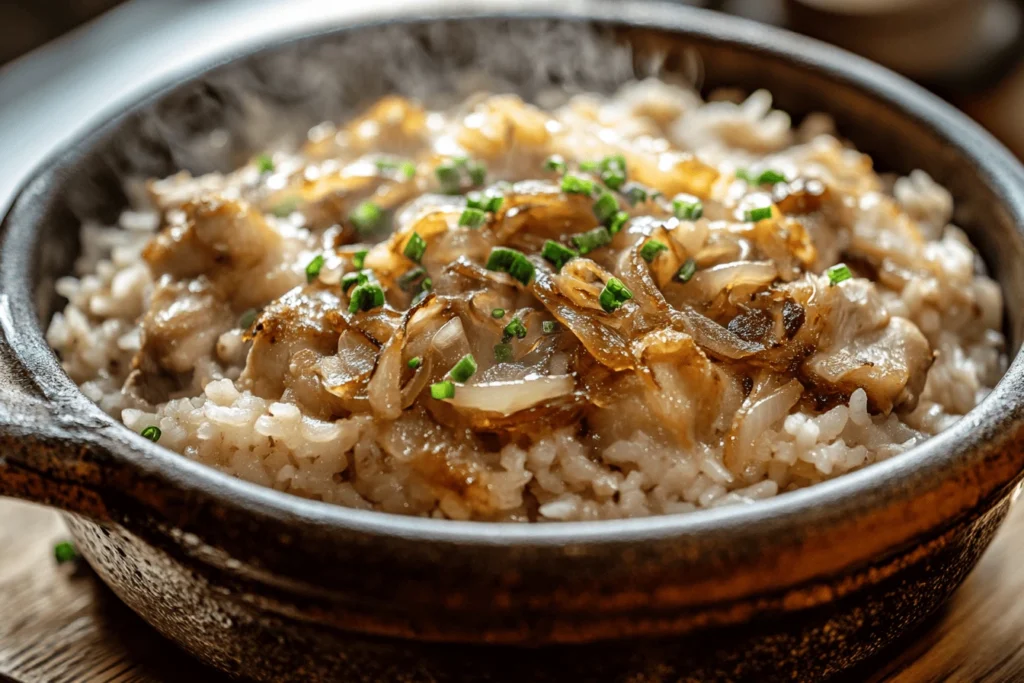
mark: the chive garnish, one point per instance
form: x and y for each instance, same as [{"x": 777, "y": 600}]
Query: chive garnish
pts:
[
  {"x": 472, "y": 218},
  {"x": 477, "y": 173},
  {"x": 247, "y": 318},
  {"x": 686, "y": 207},
  {"x": 152, "y": 432},
  {"x": 408, "y": 279},
  {"x": 757, "y": 214},
  {"x": 359, "y": 258},
  {"x": 613, "y": 178},
  {"x": 687, "y": 270},
  {"x": 617, "y": 222},
  {"x": 549, "y": 326},
  {"x": 498, "y": 313},
  {"x": 605, "y": 207},
  {"x": 425, "y": 287},
  {"x": 555, "y": 163},
  {"x": 515, "y": 328},
  {"x": 614, "y": 295},
  {"x": 313, "y": 268},
  {"x": 408, "y": 169},
  {"x": 464, "y": 369},
  {"x": 448, "y": 176},
  {"x": 365, "y": 297},
  {"x": 573, "y": 184},
  {"x": 588, "y": 241},
  {"x": 502, "y": 353},
  {"x": 65, "y": 552},
  {"x": 635, "y": 193},
  {"x": 442, "y": 390},
  {"x": 264, "y": 163},
  {"x": 512, "y": 262},
  {"x": 838, "y": 273},
  {"x": 651, "y": 249},
  {"x": 415, "y": 248},
  {"x": 557, "y": 254},
  {"x": 366, "y": 217},
  {"x": 415, "y": 362},
  {"x": 359, "y": 277},
  {"x": 766, "y": 177},
  {"x": 589, "y": 166}
]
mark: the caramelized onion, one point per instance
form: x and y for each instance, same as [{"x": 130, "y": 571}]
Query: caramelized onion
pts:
[{"x": 507, "y": 398}]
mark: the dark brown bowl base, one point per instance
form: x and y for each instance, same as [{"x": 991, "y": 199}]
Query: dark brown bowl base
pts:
[{"x": 191, "y": 603}]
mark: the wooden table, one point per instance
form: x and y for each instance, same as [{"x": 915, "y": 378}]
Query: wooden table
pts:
[{"x": 59, "y": 624}]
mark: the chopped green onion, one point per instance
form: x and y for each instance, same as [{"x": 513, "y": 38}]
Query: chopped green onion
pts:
[
  {"x": 365, "y": 297},
  {"x": 588, "y": 241},
  {"x": 152, "y": 432},
  {"x": 313, "y": 267},
  {"x": 512, "y": 262},
  {"x": 486, "y": 201},
  {"x": 65, "y": 552},
  {"x": 356, "y": 278},
  {"x": 449, "y": 177},
  {"x": 555, "y": 163},
  {"x": 464, "y": 369},
  {"x": 515, "y": 328},
  {"x": 359, "y": 258},
  {"x": 366, "y": 217},
  {"x": 573, "y": 184},
  {"x": 589, "y": 166},
  {"x": 744, "y": 175},
  {"x": 617, "y": 222},
  {"x": 472, "y": 218},
  {"x": 408, "y": 169},
  {"x": 614, "y": 161},
  {"x": 549, "y": 326},
  {"x": 415, "y": 362},
  {"x": 502, "y": 352},
  {"x": 498, "y": 313},
  {"x": 286, "y": 207},
  {"x": 264, "y": 164},
  {"x": 686, "y": 207},
  {"x": 614, "y": 295},
  {"x": 557, "y": 254},
  {"x": 415, "y": 248},
  {"x": 757, "y": 214},
  {"x": 838, "y": 273},
  {"x": 475, "y": 200},
  {"x": 408, "y": 279},
  {"x": 248, "y": 318},
  {"x": 635, "y": 193},
  {"x": 386, "y": 164},
  {"x": 477, "y": 173},
  {"x": 687, "y": 270},
  {"x": 613, "y": 178},
  {"x": 605, "y": 207},
  {"x": 442, "y": 390},
  {"x": 425, "y": 288},
  {"x": 766, "y": 177},
  {"x": 651, "y": 249},
  {"x": 494, "y": 203}
]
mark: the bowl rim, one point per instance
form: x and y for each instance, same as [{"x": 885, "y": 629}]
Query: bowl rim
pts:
[{"x": 852, "y": 493}]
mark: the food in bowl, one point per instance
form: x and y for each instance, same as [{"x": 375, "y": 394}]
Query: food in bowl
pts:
[{"x": 619, "y": 306}]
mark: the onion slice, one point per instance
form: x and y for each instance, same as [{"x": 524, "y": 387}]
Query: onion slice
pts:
[{"x": 507, "y": 398}]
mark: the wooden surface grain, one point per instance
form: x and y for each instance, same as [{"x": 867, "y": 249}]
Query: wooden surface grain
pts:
[{"x": 62, "y": 625}]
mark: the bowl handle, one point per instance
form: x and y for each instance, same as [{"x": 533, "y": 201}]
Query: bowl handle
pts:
[{"x": 47, "y": 454}]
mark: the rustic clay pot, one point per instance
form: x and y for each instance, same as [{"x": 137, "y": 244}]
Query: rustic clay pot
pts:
[{"x": 274, "y": 587}]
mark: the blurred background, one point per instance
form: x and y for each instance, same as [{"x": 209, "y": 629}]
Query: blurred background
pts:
[{"x": 969, "y": 51}]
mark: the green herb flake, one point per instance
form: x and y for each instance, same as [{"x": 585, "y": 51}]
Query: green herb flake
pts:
[
  {"x": 265, "y": 163},
  {"x": 651, "y": 249},
  {"x": 687, "y": 270},
  {"x": 442, "y": 390},
  {"x": 502, "y": 353},
  {"x": 314, "y": 267},
  {"x": 557, "y": 254},
  {"x": 366, "y": 217},
  {"x": 757, "y": 214},
  {"x": 426, "y": 286},
  {"x": 614, "y": 178},
  {"x": 614, "y": 295},
  {"x": 414, "y": 363},
  {"x": 635, "y": 193},
  {"x": 464, "y": 369},
  {"x": 498, "y": 313},
  {"x": 408, "y": 279},
  {"x": 472, "y": 218},
  {"x": 477, "y": 173},
  {"x": 555, "y": 163},
  {"x": 365, "y": 297},
  {"x": 573, "y": 184},
  {"x": 770, "y": 177},
  {"x": 359, "y": 258},
  {"x": 589, "y": 166},
  {"x": 515, "y": 328},
  {"x": 449, "y": 177},
  {"x": 248, "y": 318},
  {"x": 512, "y": 262},
  {"x": 686, "y": 207},
  {"x": 588, "y": 241},
  {"x": 152, "y": 432},
  {"x": 618, "y": 222},
  {"x": 605, "y": 208},
  {"x": 360, "y": 277},
  {"x": 415, "y": 248},
  {"x": 65, "y": 552},
  {"x": 838, "y": 273}
]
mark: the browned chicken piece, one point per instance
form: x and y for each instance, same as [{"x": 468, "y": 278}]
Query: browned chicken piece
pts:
[
  {"x": 863, "y": 347},
  {"x": 181, "y": 327},
  {"x": 289, "y": 338},
  {"x": 227, "y": 241}
]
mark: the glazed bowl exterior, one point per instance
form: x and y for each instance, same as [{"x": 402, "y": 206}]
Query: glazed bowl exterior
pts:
[{"x": 273, "y": 587}]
